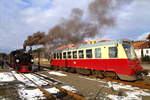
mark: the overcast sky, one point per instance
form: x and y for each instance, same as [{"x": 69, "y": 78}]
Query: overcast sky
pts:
[{"x": 20, "y": 18}]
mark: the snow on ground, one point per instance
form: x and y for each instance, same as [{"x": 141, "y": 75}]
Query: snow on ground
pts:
[
  {"x": 93, "y": 79},
  {"x": 30, "y": 94},
  {"x": 57, "y": 73},
  {"x": 132, "y": 93},
  {"x": 69, "y": 88},
  {"x": 43, "y": 75},
  {"x": 148, "y": 74},
  {"x": 36, "y": 80},
  {"x": 53, "y": 90},
  {"x": 22, "y": 79},
  {"x": 6, "y": 77},
  {"x": 117, "y": 86}
]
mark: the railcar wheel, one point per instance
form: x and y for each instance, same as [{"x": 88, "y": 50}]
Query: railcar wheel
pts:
[
  {"x": 71, "y": 70},
  {"x": 63, "y": 69},
  {"x": 98, "y": 73},
  {"x": 112, "y": 75},
  {"x": 56, "y": 68},
  {"x": 83, "y": 71}
]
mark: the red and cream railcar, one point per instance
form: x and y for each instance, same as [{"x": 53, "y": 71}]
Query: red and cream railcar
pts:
[{"x": 102, "y": 58}]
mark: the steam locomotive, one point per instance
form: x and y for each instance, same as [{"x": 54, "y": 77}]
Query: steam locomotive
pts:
[
  {"x": 116, "y": 59},
  {"x": 21, "y": 60}
]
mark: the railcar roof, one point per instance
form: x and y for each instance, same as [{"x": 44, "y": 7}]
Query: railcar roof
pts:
[{"x": 94, "y": 45}]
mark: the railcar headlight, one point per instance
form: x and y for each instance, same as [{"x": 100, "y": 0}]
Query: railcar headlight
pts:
[
  {"x": 32, "y": 60},
  {"x": 17, "y": 60}
]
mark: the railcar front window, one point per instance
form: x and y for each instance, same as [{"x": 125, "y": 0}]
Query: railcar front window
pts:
[{"x": 129, "y": 51}]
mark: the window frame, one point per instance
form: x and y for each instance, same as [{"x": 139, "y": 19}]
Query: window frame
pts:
[
  {"x": 55, "y": 56},
  {"x": 99, "y": 50},
  {"x": 64, "y": 55},
  {"x": 69, "y": 55},
  {"x": 73, "y": 56},
  {"x": 111, "y": 53},
  {"x": 90, "y": 54},
  {"x": 82, "y": 54}
]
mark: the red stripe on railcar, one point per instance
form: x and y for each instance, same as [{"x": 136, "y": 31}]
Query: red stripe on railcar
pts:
[{"x": 120, "y": 66}]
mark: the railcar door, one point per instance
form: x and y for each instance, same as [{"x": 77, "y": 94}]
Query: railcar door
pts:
[{"x": 112, "y": 58}]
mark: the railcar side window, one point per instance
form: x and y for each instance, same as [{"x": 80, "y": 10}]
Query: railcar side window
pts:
[
  {"x": 57, "y": 55},
  {"x": 97, "y": 52},
  {"x": 113, "y": 52},
  {"x": 74, "y": 54},
  {"x": 81, "y": 54},
  {"x": 64, "y": 55},
  {"x": 54, "y": 55},
  {"x": 89, "y": 53},
  {"x": 69, "y": 55},
  {"x": 60, "y": 55}
]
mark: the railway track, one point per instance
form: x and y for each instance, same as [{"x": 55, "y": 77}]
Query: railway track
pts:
[
  {"x": 63, "y": 93},
  {"x": 45, "y": 92},
  {"x": 70, "y": 93}
]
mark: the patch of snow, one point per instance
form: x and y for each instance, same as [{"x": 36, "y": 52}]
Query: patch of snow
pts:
[
  {"x": 57, "y": 73},
  {"x": 36, "y": 80},
  {"x": 115, "y": 97},
  {"x": 53, "y": 90},
  {"x": 133, "y": 93},
  {"x": 117, "y": 86},
  {"x": 148, "y": 74},
  {"x": 93, "y": 79},
  {"x": 69, "y": 88},
  {"x": 23, "y": 79},
  {"x": 32, "y": 94},
  {"x": 43, "y": 75},
  {"x": 6, "y": 77}
]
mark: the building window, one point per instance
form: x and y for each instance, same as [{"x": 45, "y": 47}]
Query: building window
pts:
[
  {"x": 113, "y": 52},
  {"x": 74, "y": 54},
  {"x": 64, "y": 55},
  {"x": 97, "y": 52},
  {"x": 69, "y": 55},
  {"x": 81, "y": 54},
  {"x": 89, "y": 53}
]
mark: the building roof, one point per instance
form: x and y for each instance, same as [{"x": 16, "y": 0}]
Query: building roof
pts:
[{"x": 141, "y": 44}]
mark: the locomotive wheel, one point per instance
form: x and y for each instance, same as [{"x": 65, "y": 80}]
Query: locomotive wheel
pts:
[{"x": 112, "y": 75}]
